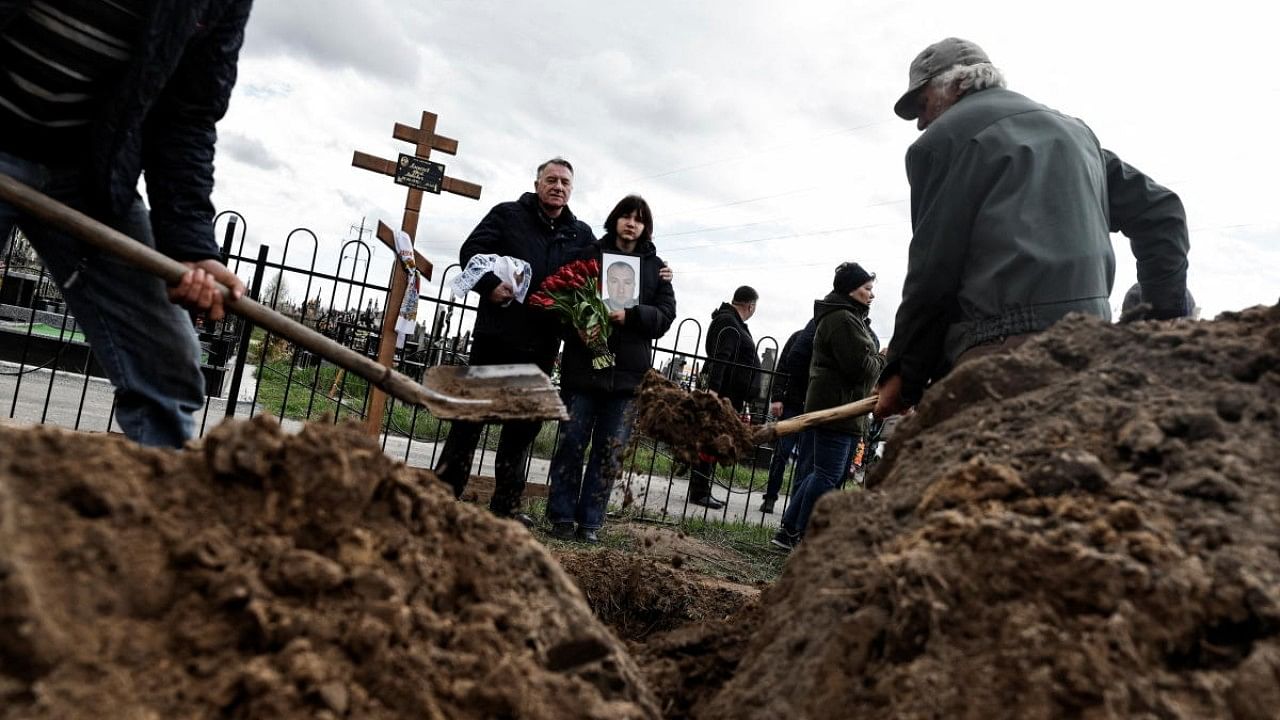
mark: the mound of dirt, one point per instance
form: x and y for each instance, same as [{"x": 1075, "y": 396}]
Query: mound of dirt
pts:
[
  {"x": 267, "y": 575},
  {"x": 1088, "y": 527},
  {"x": 694, "y": 424},
  {"x": 639, "y": 598}
]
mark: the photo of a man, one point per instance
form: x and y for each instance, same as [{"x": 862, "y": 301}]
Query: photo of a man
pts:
[{"x": 621, "y": 281}]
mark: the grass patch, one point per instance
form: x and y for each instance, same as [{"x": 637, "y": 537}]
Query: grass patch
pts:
[{"x": 757, "y": 560}]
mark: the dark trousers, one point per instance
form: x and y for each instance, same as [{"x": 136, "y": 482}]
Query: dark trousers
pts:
[
  {"x": 782, "y": 449},
  {"x": 511, "y": 461}
]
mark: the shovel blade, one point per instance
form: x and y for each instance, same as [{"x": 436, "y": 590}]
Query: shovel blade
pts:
[{"x": 506, "y": 392}]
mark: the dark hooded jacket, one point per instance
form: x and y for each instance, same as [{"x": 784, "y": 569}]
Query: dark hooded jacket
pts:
[
  {"x": 519, "y": 333},
  {"x": 160, "y": 118},
  {"x": 791, "y": 382},
  {"x": 733, "y": 368},
  {"x": 846, "y": 359},
  {"x": 631, "y": 342}
]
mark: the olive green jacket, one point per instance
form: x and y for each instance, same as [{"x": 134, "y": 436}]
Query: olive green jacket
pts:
[{"x": 846, "y": 359}]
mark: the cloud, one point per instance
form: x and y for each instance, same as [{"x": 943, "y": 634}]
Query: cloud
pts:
[
  {"x": 249, "y": 151},
  {"x": 366, "y": 37},
  {"x": 763, "y": 137}
]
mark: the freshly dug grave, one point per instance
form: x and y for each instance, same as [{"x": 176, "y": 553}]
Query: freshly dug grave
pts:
[
  {"x": 267, "y": 575},
  {"x": 1088, "y": 527},
  {"x": 688, "y": 632},
  {"x": 638, "y": 598},
  {"x": 694, "y": 424}
]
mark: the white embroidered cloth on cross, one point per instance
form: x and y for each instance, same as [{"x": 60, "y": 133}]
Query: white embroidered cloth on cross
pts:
[{"x": 407, "y": 320}]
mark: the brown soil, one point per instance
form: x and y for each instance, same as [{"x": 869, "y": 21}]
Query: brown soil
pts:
[
  {"x": 276, "y": 576},
  {"x": 638, "y": 597},
  {"x": 1088, "y": 527},
  {"x": 688, "y": 631},
  {"x": 691, "y": 423}
]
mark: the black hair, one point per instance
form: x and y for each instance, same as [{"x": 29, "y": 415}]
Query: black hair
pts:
[
  {"x": 626, "y": 206},
  {"x": 745, "y": 294}
]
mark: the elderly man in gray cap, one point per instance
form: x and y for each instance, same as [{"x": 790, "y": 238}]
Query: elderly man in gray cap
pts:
[{"x": 1012, "y": 206}]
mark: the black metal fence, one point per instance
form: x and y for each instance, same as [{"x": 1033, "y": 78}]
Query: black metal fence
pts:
[{"x": 48, "y": 375}]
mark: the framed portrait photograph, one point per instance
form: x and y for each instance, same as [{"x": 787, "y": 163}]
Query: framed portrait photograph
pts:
[{"x": 620, "y": 280}]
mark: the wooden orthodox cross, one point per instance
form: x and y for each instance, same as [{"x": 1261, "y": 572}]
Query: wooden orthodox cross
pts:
[{"x": 419, "y": 174}]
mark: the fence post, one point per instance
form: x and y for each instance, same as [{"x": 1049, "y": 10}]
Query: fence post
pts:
[{"x": 246, "y": 330}]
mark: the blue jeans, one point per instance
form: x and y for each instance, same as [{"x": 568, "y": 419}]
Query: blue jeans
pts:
[
  {"x": 831, "y": 452},
  {"x": 605, "y": 422},
  {"x": 782, "y": 455},
  {"x": 146, "y": 344}
]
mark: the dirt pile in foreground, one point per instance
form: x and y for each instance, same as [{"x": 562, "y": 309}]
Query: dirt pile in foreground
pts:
[
  {"x": 692, "y": 423},
  {"x": 277, "y": 576},
  {"x": 1087, "y": 528}
]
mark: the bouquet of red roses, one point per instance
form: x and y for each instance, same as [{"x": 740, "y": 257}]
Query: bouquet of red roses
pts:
[{"x": 574, "y": 292}]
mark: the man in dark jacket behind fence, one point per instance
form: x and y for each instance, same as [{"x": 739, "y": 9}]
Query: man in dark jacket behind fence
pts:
[
  {"x": 1012, "y": 206},
  {"x": 540, "y": 229},
  {"x": 733, "y": 373},
  {"x": 91, "y": 96},
  {"x": 791, "y": 382}
]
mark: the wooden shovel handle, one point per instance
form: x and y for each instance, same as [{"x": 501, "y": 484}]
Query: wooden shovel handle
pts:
[
  {"x": 800, "y": 423},
  {"x": 171, "y": 271}
]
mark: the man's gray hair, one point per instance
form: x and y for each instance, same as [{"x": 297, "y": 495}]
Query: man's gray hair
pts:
[
  {"x": 970, "y": 78},
  {"x": 557, "y": 160}
]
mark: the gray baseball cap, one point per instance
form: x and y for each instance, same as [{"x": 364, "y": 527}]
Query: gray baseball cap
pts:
[{"x": 932, "y": 62}]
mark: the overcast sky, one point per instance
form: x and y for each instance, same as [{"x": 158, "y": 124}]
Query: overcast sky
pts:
[{"x": 762, "y": 133}]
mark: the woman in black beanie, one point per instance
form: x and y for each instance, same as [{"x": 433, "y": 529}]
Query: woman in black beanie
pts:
[{"x": 846, "y": 363}]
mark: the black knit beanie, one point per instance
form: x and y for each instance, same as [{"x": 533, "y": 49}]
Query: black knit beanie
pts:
[{"x": 849, "y": 277}]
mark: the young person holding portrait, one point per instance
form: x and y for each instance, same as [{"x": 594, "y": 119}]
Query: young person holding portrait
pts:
[{"x": 600, "y": 401}]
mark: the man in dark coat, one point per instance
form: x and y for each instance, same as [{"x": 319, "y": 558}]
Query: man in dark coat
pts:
[
  {"x": 92, "y": 95},
  {"x": 733, "y": 373},
  {"x": 540, "y": 229},
  {"x": 1012, "y": 207},
  {"x": 791, "y": 382}
]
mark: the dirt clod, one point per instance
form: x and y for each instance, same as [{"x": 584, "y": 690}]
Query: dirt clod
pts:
[
  {"x": 268, "y": 575},
  {"x": 694, "y": 424}
]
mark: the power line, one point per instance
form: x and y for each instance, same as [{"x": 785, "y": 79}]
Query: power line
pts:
[
  {"x": 793, "y": 236},
  {"x": 756, "y": 154}
]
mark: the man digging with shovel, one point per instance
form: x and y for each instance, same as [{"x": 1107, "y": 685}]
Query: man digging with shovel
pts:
[
  {"x": 91, "y": 95},
  {"x": 1012, "y": 206}
]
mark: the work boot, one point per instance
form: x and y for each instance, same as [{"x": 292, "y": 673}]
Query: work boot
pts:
[
  {"x": 766, "y": 505},
  {"x": 562, "y": 531},
  {"x": 707, "y": 501},
  {"x": 588, "y": 535}
]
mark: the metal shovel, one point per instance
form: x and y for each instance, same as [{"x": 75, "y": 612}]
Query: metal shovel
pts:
[{"x": 480, "y": 394}]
